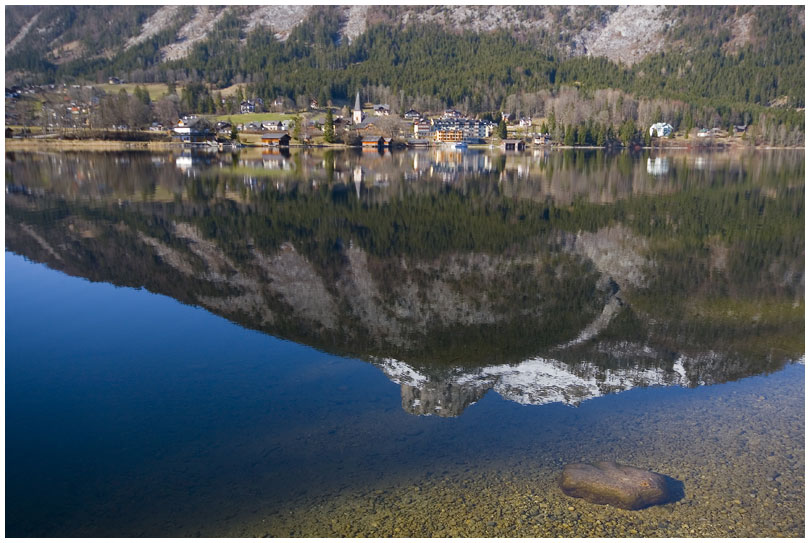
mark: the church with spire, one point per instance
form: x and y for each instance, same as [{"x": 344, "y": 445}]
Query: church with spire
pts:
[{"x": 357, "y": 113}]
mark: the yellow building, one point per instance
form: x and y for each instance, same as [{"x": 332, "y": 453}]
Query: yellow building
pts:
[{"x": 449, "y": 136}]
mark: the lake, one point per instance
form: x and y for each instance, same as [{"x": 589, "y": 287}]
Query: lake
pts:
[{"x": 413, "y": 344}]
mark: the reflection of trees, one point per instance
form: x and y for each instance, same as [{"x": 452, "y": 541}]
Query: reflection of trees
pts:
[
  {"x": 565, "y": 177},
  {"x": 726, "y": 250}
]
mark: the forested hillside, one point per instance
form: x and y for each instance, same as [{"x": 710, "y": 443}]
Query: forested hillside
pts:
[{"x": 733, "y": 64}]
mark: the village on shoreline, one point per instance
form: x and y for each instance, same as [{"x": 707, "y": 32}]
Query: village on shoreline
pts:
[{"x": 365, "y": 125}]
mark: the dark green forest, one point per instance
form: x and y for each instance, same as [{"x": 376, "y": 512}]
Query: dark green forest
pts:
[{"x": 426, "y": 59}]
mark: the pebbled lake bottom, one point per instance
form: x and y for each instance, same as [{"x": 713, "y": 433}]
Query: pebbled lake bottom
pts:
[{"x": 737, "y": 448}]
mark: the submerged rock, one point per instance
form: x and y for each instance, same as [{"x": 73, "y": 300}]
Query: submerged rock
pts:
[{"x": 610, "y": 483}]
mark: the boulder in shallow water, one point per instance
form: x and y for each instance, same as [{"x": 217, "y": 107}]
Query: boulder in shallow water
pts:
[{"x": 610, "y": 483}]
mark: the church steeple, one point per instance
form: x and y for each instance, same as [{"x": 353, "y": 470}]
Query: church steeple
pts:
[{"x": 357, "y": 114}]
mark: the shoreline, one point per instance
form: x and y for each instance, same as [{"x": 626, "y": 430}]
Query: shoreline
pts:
[{"x": 30, "y": 144}]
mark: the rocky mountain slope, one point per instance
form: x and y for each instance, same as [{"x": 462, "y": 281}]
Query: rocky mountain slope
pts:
[{"x": 621, "y": 33}]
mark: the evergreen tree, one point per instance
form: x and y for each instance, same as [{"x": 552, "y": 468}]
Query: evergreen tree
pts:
[
  {"x": 297, "y": 128},
  {"x": 689, "y": 122},
  {"x": 502, "y": 129},
  {"x": 582, "y": 135},
  {"x": 142, "y": 94},
  {"x": 329, "y": 127},
  {"x": 570, "y": 136},
  {"x": 627, "y": 132},
  {"x": 600, "y": 136}
]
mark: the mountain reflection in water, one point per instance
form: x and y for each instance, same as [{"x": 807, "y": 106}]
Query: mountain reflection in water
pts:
[{"x": 545, "y": 276}]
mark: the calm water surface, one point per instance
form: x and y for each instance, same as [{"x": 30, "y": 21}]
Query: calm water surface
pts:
[{"x": 409, "y": 344}]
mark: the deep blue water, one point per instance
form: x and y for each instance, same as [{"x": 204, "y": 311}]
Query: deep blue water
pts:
[
  {"x": 130, "y": 413},
  {"x": 542, "y": 307}
]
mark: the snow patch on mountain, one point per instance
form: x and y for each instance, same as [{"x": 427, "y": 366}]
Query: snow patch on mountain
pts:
[
  {"x": 356, "y": 22},
  {"x": 196, "y": 30},
  {"x": 281, "y": 18},
  {"x": 22, "y": 34},
  {"x": 159, "y": 21},
  {"x": 630, "y": 34}
]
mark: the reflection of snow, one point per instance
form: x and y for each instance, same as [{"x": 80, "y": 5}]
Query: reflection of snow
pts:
[
  {"x": 539, "y": 381},
  {"x": 404, "y": 373},
  {"x": 659, "y": 166}
]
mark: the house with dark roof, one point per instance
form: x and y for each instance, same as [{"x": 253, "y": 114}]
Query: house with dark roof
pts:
[
  {"x": 193, "y": 130},
  {"x": 512, "y": 145},
  {"x": 382, "y": 109},
  {"x": 276, "y": 139},
  {"x": 418, "y": 142},
  {"x": 373, "y": 142},
  {"x": 272, "y": 126}
]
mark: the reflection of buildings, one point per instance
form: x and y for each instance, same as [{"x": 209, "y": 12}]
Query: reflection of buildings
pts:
[
  {"x": 184, "y": 163},
  {"x": 658, "y": 166},
  {"x": 192, "y": 162},
  {"x": 357, "y": 177},
  {"x": 536, "y": 175},
  {"x": 452, "y": 163},
  {"x": 274, "y": 159}
]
